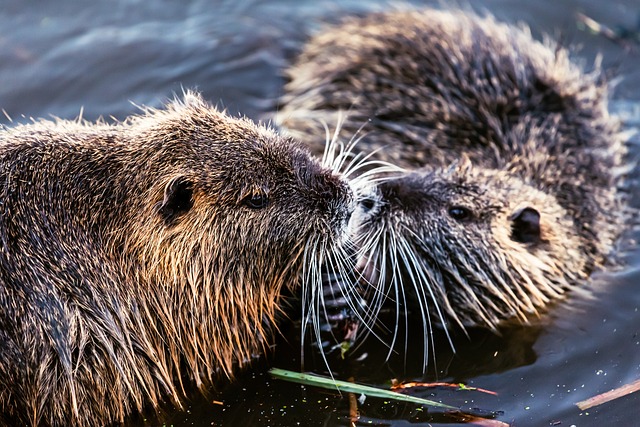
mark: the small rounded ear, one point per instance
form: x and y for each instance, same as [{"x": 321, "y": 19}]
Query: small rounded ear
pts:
[
  {"x": 178, "y": 199},
  {"x": 525, "y": 226}
]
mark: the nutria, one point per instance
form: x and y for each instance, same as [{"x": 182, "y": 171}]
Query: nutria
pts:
[
  {"x": 140, "y": 256},
  {"x": 510, "y": 196}
]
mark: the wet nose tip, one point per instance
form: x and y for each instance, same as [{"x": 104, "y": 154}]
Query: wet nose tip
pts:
[{"x": 338, "y": 194}]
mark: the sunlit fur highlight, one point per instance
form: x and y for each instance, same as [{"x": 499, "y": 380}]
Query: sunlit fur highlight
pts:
[
  {"x": 111, "y": 305},
  {"x": 362, "y": 173}
]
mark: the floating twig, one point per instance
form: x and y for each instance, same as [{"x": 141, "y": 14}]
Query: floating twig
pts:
[
  {"x": 459, "y": 386},
  {"x": 609, "y": 395},
  {"x": 623, "y": 36}
]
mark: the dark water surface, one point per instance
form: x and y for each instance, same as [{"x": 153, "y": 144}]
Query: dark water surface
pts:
[{"x": 61, "y": 58}]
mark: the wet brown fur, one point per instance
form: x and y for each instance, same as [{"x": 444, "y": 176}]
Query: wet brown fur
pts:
[
  {"x": 482, "y": 117},
  {"x": 131, "y": 258}
]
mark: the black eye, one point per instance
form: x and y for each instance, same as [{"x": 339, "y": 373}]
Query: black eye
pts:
[
  {"x": 459, "y": 213},
  {"x": 256, "y": 201}
]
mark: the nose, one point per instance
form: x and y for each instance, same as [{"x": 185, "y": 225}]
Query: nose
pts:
[
  {"x": 367, "y": 204},
  {"x": 337, "y": 196}
]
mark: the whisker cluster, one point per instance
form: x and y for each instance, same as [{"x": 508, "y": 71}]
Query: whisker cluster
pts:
[{"x": 490, "y": 175}]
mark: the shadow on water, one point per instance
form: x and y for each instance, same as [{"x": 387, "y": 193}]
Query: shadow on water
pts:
[
  {"x": 257, "y": 399},
  {"x": 59, "y": 58}
]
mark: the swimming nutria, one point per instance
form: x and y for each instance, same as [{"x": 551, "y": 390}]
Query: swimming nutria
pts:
[
  {"x": 139, "y": 255},
  {"x": 510, "y": 196}
]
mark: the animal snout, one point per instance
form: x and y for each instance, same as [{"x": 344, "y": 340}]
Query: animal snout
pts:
[{"x": 335, "y": 196}]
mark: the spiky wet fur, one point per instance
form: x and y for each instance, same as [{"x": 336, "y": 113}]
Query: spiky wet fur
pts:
[
  {"x": 425, "y": 88},
  {"x": 110, "y": 295}
]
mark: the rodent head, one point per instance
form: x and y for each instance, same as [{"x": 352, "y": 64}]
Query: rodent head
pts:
[
  {"x": 230, "y": 216},
  {"x": 469, "y": 245}
]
